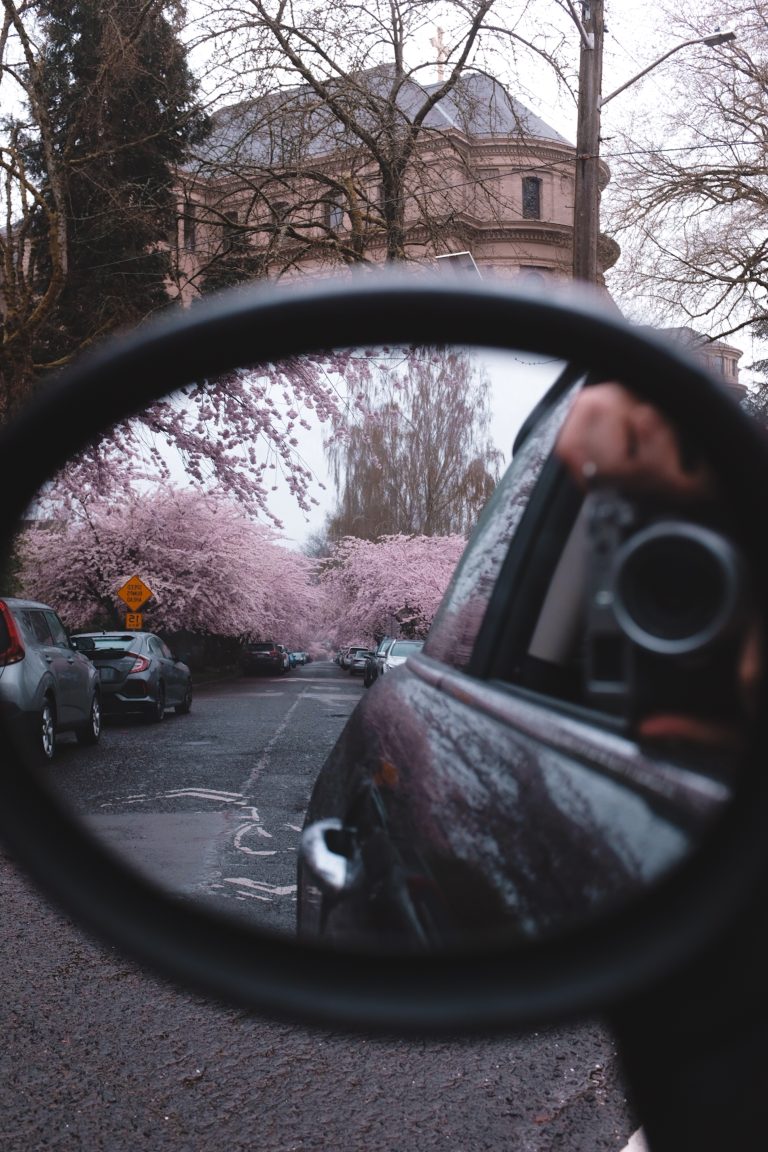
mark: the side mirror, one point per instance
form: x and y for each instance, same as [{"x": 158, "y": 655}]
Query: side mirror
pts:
[{"x": 568, "y": 964}]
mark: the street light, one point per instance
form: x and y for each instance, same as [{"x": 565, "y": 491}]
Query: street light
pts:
[
  {"x": 710, "y": 41},
  {"x": 586, "y": 207}
]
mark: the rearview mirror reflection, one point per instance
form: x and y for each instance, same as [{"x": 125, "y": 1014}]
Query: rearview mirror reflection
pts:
[{"x": 560, "y": 727}]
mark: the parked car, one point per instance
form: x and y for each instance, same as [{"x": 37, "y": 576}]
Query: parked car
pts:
[
  {"x": 524, "y": 688},
  {"x": 297, "y": 659},
  {"x": 46, "y": 685},
  {"x": 138, "y": 673},
  {"x": 358, "y": 661},
  {"x": 263, "y": 656},
  {"x": 354, "y": 659},
  {"x": 397, "y": 653},
  {"x": 372, "y": 663}
]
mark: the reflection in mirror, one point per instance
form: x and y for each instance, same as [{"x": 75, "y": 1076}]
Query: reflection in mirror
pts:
[{"x": 549, "y": 719}]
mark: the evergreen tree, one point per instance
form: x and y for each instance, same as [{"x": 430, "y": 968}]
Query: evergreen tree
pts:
[{"x": 120, "y": 100}]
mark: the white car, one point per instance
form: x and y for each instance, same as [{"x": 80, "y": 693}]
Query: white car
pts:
[{"x": 397, "y": 653}]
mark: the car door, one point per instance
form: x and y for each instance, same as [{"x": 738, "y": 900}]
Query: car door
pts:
[
  {"x": 71, "y": 672},
  {"x": 172, "y": 673},
  {"x": 427, "y": 792}
]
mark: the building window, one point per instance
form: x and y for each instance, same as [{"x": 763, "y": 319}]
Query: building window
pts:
[
  {"x": 531, "y": 198},
  {"x": 230, "y": 231},
  {"x": 189, "y": 226},
  {"x": 279, "y": 212},
  {"x": 334, "y": 212},
  {"x": 533, "y": 276}
]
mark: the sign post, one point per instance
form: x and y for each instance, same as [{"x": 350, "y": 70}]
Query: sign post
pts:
[{"x": 134, "y": 593}]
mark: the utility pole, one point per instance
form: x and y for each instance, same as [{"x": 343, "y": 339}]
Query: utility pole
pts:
[{"x": 586, "y": 208}]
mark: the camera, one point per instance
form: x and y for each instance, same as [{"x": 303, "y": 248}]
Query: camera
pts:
[{"x": 667, "y": 606}]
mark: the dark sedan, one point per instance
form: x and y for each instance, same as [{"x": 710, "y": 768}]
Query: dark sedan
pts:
[
  {"x": 138, "y": 673},
  {"x": 263, "y": 656},
  {"x": 525, "y": 699}
]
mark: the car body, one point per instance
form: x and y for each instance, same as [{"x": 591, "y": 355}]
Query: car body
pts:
[
  {"x": 297, "y": 659},
  {"x": 46, "y": 685},
  {"x": 342, "y": 658},
  {"x": 358, "y": 661},
  {"x": 372, "y": 663},
  {"x": 261, "y": 656},
  {"x": 397, "y": 653},
  {"x": 138, "y": 673},
  {"x": 423, "y": 785},
  {"x": 354, "y": 651}
]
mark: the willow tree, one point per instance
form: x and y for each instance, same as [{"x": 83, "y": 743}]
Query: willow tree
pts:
[{"x": 417, "y": 457}]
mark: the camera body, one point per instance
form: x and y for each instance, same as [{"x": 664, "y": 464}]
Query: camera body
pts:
[{"x": 667, "y": 606}]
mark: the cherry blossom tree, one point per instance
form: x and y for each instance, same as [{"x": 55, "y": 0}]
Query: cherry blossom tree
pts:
[
  {"x": 393, "y": 585},
  {"x": 210, "y": 567},
  {"x": 238, "y": 434}
]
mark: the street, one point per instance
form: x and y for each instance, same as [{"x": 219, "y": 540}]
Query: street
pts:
[{"x": 99, "y": 1054}]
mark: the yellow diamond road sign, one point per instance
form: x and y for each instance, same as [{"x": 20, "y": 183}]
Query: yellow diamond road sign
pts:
[{"x": 134, "y": 592}]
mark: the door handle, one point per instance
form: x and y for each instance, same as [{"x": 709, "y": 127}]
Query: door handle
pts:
[{"x": 329, "y": 850}]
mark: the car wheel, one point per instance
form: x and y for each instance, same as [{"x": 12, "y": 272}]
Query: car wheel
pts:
[
  {"x": 183, "y": 708},
  {"x": 158, "y": 710},
  {"x": 45, "y": 744},
  {"x": 90, "y": 733}
]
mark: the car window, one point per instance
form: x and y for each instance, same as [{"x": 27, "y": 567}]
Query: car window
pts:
[
  {"x": 36, "y": 625},
  {"x": 405, "y": 647},
  {"x": 58, "y": 631},
  {"x": 112, "y": 643},
  {"x": 454, "y": 631}
]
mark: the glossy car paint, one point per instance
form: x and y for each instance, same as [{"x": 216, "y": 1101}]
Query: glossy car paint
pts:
[
  {"x": 46, "y": 686},
  {"x": 138, "y": 673},
  {"x": 433, "y": 779},
  {"x": 262, "y": 656}
]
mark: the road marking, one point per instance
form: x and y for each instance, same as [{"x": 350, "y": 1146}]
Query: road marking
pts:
[
  {"x": 175, "y": 794},
  {"x": 263, "y": 760},
  {"x": 255, "y": 888}
]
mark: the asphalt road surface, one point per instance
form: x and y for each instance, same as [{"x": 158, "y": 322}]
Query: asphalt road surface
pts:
[{"x": 98, "y": 1054}]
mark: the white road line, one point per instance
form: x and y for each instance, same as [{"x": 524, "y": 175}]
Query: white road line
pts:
[{"x": 257, "y": 886}]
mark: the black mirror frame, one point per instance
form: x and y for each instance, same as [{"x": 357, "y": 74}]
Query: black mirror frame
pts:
[{"x": 585, "y": 970}]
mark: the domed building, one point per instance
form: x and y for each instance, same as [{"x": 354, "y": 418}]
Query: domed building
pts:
[{"x": 281, "y": 188}]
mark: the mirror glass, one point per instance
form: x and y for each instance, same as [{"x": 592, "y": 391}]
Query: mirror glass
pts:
[{"x": 268, "y": 579}]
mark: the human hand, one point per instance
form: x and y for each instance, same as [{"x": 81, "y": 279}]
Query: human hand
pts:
[{"x": 610, "y": 435}]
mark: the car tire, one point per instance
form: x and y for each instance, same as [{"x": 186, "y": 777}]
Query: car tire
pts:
[
  {"x": 158, "y": 708},
  {"x": 45, "y": 735},
  {"x": 184, "y": 707},
  {"x": 90, "y": 732}
]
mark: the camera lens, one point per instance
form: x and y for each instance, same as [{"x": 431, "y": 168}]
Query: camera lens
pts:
[{"x": 676, "y": 587}]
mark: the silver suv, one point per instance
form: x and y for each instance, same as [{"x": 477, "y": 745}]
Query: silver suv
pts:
[{"x": 46, "y": 685}]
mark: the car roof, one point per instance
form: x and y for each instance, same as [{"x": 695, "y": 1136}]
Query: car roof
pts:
[{"x": 19, "y": 602}]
